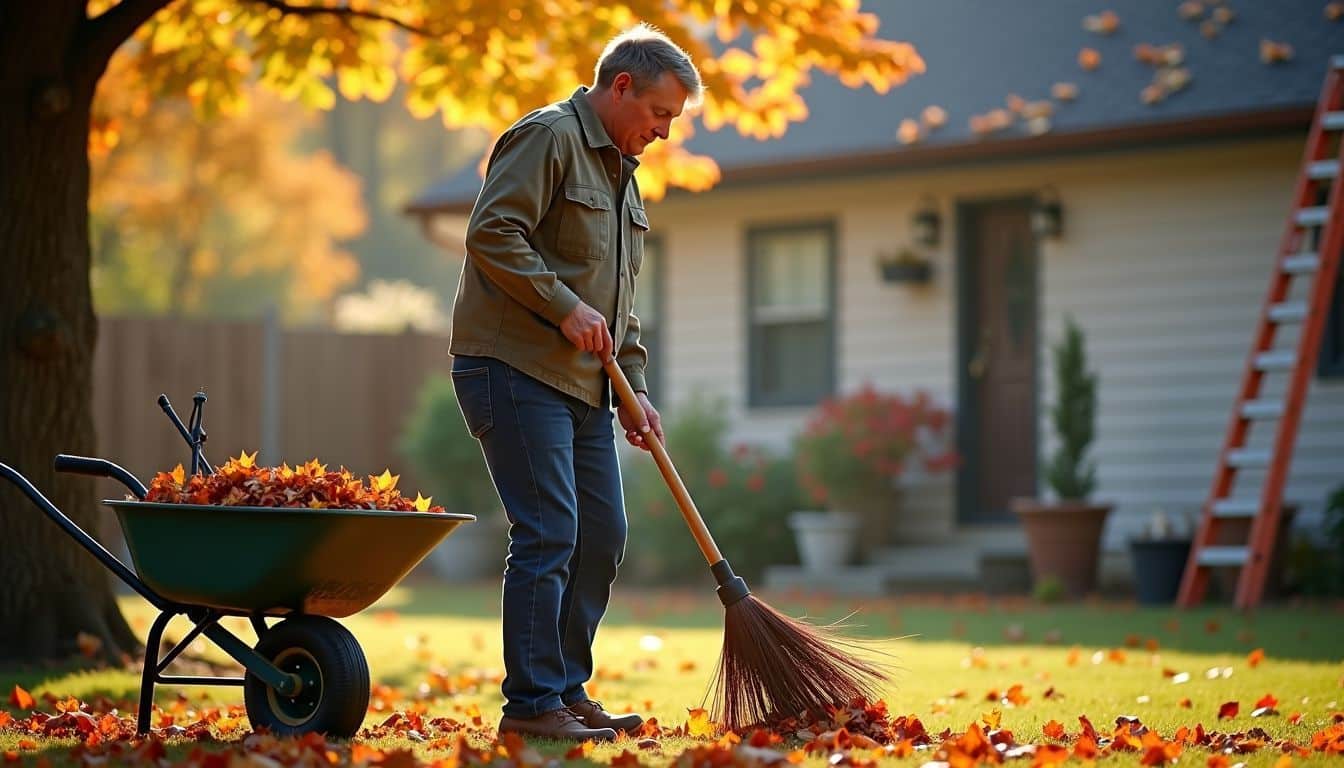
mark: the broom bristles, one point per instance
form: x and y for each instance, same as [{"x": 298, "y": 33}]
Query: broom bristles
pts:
[{"x": 774, "y": 667}]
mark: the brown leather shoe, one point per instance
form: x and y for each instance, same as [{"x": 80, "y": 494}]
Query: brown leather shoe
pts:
[
  {"x": 557, "y": 724},
  {"x": 594, "y": 716}
]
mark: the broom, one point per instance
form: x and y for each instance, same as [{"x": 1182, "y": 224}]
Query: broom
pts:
[{"x": 772, "y": 667}]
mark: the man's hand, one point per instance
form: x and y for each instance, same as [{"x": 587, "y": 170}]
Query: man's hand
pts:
[
  {"x": 586, "y": 329},
  {"x": 636, "y": 431}
]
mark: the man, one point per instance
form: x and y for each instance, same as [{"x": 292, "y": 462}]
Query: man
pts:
[{"x": 553, "y": 247}]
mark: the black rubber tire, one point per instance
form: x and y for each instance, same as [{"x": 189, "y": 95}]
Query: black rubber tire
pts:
[{"x": 321, "y": 651}]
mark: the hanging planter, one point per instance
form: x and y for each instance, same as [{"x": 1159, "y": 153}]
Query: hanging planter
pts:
[{"x": 906, "y": 266}]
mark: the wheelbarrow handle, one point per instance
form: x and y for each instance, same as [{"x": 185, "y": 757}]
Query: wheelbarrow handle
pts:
[{"x": 84, "y": 465}]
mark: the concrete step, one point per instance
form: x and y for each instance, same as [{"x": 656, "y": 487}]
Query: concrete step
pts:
[{"x": 869, "y": 580}]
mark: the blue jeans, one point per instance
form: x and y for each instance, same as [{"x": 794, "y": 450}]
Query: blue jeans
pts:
[{"x": 553, "y": 461}]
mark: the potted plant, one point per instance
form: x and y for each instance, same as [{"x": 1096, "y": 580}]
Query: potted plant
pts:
[
  {"x": 1064, "y": 533},
  {"x": 850, "y": 456},
  {"x": 905, "y": 266},
  {"x": 449, "y": 460},
  {"x": 1158, "y": 555}
]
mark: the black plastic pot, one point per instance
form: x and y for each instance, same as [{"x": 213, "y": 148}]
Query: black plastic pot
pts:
[{"x": 1158, "y": 565}]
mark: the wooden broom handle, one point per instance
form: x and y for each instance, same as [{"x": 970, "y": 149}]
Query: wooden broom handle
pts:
[{"x": 688, "y": 511}]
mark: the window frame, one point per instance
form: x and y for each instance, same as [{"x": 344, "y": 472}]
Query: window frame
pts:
[
  {"x": 755, "y": 234},
  {"x": 653, "y": 372}
]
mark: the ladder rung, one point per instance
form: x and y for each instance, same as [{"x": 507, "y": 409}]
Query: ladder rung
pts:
[
  {"x": 1301, "y": 264},
  {"x": 1288, "y": 312},
  {"x": 1274, "y": 361},
  {"x": 1314, "y": 216},
  {"x": 1236, "y": 507},
  {"x": 1262, "y": 409},
  {"x": 1323, "y": 169},
  {"x": 1215, "y": 556},
  {"x": 1244, "y": 459},
  {"x": 1333, "y": 121}
]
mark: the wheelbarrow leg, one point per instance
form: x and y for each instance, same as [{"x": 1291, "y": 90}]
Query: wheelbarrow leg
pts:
[{"x": 151, "y": 673}]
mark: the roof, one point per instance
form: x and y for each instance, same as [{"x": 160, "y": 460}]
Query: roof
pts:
[{"x": 978, "y": 52}]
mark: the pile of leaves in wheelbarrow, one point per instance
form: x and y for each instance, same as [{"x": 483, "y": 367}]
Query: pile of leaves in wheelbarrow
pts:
[{"x": 240, "y": 482}]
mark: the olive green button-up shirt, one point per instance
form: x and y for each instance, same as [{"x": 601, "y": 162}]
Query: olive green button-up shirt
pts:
[{"x": 559, "y": 220}]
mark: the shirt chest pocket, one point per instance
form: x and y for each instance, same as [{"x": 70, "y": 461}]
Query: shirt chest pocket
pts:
[
  {"x": 585, "y": 223},
  {"x": 639, "y": 222}
]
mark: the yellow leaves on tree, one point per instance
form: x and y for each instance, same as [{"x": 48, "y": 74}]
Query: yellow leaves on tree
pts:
[
  {"x": 194, "y": 215},
  {"x": 487, "y": 64}
]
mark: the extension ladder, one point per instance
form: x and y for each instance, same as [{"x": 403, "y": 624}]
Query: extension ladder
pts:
[{"x": 1318, "y": 208}]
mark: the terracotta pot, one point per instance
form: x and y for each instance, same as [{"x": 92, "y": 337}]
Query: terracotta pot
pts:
[{"x": 1063, "y": 541}]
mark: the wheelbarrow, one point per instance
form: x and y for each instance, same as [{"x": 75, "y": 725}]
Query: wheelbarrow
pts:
[{"x": 305, "y": 567}]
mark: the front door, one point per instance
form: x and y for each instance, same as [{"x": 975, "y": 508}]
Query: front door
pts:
[{"x": 997, "y": 358}]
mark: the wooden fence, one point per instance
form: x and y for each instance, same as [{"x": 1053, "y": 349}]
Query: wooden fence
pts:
[{"x": 292, "y": 395}]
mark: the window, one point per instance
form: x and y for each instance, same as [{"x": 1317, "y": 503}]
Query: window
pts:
[
  {"x": 649, "y": 310},
  {"x": 791, "y": 320}
]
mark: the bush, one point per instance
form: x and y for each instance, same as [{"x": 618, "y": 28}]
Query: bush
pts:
[
  {"x": 1074, "y": 416},
  {"x": 744, "y": 495},
  {"x": 856, "y": 447},
  {"x": 1317, "y": 569},
  {"x": 445, "y": 456}
]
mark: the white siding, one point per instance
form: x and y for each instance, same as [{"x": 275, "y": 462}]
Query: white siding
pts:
[{"x": 1164, "y": 262}]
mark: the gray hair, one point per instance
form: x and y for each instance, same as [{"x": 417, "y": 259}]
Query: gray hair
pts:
[{"x": 646, "y": 53}]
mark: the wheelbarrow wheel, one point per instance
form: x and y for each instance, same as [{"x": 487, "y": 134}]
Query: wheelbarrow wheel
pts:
[{"x": 334, "y": 694}]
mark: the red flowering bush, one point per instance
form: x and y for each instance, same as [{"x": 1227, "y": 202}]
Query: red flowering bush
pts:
[{"x": 859, "y": 445}]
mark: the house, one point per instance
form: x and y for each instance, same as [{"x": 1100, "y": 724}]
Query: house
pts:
[{"x": 1152, "y": 223}]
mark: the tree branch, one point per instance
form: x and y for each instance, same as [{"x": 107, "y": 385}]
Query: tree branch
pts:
[
  {"x": 103, "y": 34},
  {"x": 345, "y": 13}
]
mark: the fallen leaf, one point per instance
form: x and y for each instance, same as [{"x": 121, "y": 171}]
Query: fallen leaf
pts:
[
  {"x": 21, "y": 699},
  {"x": 1054, "y": 729},
  {"x": 581, "y": 751},
  {"x": 699, "y": 725},
  {"x": 1229, "y": 709},
  {"x": 1254, "y": 658}
]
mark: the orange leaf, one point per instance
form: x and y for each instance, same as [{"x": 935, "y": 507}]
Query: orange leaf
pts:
[
  {"x": 1255, "y": 657},
  {"x": 580, "y": 751},
  {"x": 625, "y": 759},
  {"x": 1015, "y": 695},
  {"x": 1054, "y": 729},
  {"x": 1268, "y": 700},
  {"x": 1218, "y": 761},
  {"x": 1186, "y": 703},
  {"x": 21, "y": 699},
  {"x": 1229, "y": 709}
]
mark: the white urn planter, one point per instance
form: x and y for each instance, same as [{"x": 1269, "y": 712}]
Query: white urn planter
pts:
[{"x": 826, "y": 540}]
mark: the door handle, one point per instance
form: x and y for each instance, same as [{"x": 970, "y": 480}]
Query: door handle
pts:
[{"x": 979, "y": 363}]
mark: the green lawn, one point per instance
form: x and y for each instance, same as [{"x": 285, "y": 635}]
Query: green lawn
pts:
[{"x": 656, "y": 653}]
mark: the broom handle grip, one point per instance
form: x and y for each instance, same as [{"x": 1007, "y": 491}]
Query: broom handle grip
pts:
[{"x": 630, "y": 403}]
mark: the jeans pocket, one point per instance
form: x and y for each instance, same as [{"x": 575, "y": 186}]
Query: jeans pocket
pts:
[{"x": 473, "y": 397}]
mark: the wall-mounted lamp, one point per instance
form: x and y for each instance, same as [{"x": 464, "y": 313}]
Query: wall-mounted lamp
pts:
[
  {"x": 926, "y": 224},
  {"x": 1047, "y": 215}
]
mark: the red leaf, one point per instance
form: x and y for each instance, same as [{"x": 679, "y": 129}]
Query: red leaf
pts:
[
  {"x": 1255, "y": 657},
  {"x": 1229, "y": 709},
  {"x": 626, "y": 758}
]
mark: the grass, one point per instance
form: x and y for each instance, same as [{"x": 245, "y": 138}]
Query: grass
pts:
[{"x": 656, "y": 654}]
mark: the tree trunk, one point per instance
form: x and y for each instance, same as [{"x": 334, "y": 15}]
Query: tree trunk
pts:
[{"x": 51, "y": 590}]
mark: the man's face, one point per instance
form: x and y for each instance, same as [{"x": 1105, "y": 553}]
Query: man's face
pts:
[{"x": 639, "y": 119}]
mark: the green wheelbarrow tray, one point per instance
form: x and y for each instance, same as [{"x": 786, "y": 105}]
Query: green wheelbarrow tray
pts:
[{"x": 276, "y": 560}]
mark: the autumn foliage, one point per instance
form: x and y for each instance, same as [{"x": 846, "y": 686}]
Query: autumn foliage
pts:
[{"x": 240, "y": 482}]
